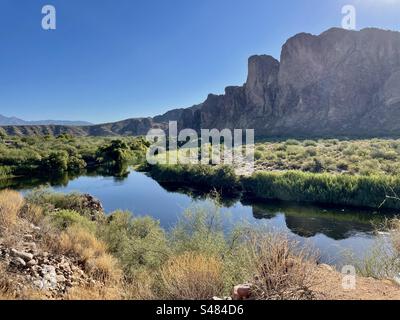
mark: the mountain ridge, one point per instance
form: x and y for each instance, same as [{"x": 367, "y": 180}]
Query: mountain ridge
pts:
[
  {"x": 337, "y": 83},
  {"x": 5, "y": 121}
]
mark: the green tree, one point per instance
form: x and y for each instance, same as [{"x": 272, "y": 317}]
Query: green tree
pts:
[
  {"x": 56, "y": 162},
  {"x": 116, "y": 153}
]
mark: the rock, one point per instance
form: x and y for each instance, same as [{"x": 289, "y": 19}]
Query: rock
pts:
[
  {"x": 23, "y": 255},
  {"x": 60, "y": 278},
  {"x": 30, "y": 246},
  {"x": 31, "y": 263},
  {"x": 39, "y": 284},
  {"x": 35, "y": 228},
  {"x": 19, "y": 262},
  {"x": 242, "y": 292}
]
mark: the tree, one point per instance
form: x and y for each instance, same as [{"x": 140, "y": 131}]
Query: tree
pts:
[
  {"x": 117, "y": 152},
  {"x": 56, "y": 162}
]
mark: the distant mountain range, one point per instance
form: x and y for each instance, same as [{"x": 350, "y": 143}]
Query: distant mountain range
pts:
[
  {"x": 339, "y": 83},
  {"x": 13, "y": 121}
]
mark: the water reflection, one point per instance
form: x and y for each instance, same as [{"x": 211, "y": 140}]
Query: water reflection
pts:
[
  {"x": 330, "y": 230},
  {"x": 308, "y": 221}
]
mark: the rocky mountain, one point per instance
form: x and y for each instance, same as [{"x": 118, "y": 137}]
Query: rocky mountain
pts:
[
  {"x": 13, "y": 121},
  {"x": 339, "y": 83}
]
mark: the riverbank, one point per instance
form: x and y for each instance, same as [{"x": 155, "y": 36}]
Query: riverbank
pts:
[
  {"x": 376, "y": 192},
  {"x": 55, "y": 246},
  {"x": 38, "y": 157}
]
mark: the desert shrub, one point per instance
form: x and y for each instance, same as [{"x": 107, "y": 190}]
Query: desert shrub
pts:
[
  {"x": 139, "y": 243},
  {"x": 309, "y": 143},
  {"x": 32, "y": 213},
  {"x": 199, "y": 229},
  {"x": 80, "y": 242},
  {"x": 77, "y": 241},
  {"x": 310, "y": 152},
  {"x": 192, "y": 276},
  {"x": 292, "y": 142},
  {"x": 63, "y": 219},
  {"x": 384, "y": 154},
  {"x": 281, "y": 270},
  {"x": 104, "y": 268},
  {"x": 51, "y": 201},
  {"x": 11, "y": 203},
  {"x": 258, "y": 155}
]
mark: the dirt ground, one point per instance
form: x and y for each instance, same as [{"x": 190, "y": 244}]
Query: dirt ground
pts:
[{"x": 329, "y": 287}]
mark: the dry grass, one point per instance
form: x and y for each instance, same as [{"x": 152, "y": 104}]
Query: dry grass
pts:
[
  {"x": 192, "y": 276},
  {"x": 11, "y": 203},
  {"x": 96, "y": 292},
  {"x": 78, "y": 241},
  {"x": 142, "y": 287},
  {"x": 32, "y": 213},
  {"x": 83, "y": 244},
  {"x": 281, "y": 271},
  {"x": 104, "y": 268},
  {"x": 6, "y": 292}
]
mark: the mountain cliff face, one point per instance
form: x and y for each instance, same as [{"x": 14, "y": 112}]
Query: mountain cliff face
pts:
[{"x": 339, "y": 83}]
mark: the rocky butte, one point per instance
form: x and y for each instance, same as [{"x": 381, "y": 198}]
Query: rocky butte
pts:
[{"x": 339, "y": 83}]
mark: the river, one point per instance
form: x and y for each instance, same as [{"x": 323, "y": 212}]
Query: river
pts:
[{"x": 335, "y": 232}]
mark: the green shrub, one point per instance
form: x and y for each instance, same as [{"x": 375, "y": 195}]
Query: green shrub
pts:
[
  {"x": 368, "y": 191},
  {"x": 218, "y": 177},
  {"x": 138, "y": 242},
  {"x": 63, "y": 219}
]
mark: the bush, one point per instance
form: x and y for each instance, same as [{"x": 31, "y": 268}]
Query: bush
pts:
[
  {"x": 281, "y": 270},
  {"x": 51, "y": 201},
  {"x": 11, "y": 203},
  {"x": 139, "y": 243},
  {"x": 63, "y": 219},
  {"x": 192, "y": 276},
  {"x": 218, "y": 177},
  {"x": 92, "y": 252}
]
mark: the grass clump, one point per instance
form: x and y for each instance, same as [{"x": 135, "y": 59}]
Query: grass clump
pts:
[
  {"x": 192, "y": 276},
  {"x": 11, "y": 203}
]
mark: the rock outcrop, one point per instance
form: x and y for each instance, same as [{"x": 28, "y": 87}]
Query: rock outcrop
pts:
[{"x": 339, "y": 83}]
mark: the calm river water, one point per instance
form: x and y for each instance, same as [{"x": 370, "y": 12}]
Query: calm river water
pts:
[{"x": 335, "y": 232}]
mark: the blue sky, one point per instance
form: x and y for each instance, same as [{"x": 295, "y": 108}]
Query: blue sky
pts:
[{"x": 114, "y": 59}]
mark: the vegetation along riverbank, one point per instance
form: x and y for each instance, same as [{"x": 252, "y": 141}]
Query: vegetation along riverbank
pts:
[
  {"x": 361, "y": 173},
  {"x": 328, "y": 171},
  {"x": 57, "y": 246}
]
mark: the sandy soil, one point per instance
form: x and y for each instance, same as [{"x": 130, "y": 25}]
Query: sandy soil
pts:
[{"x": 329, "y": 287}]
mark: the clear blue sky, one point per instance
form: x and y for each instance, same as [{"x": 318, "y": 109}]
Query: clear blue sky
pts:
[{"x": 115, "y": 59}]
